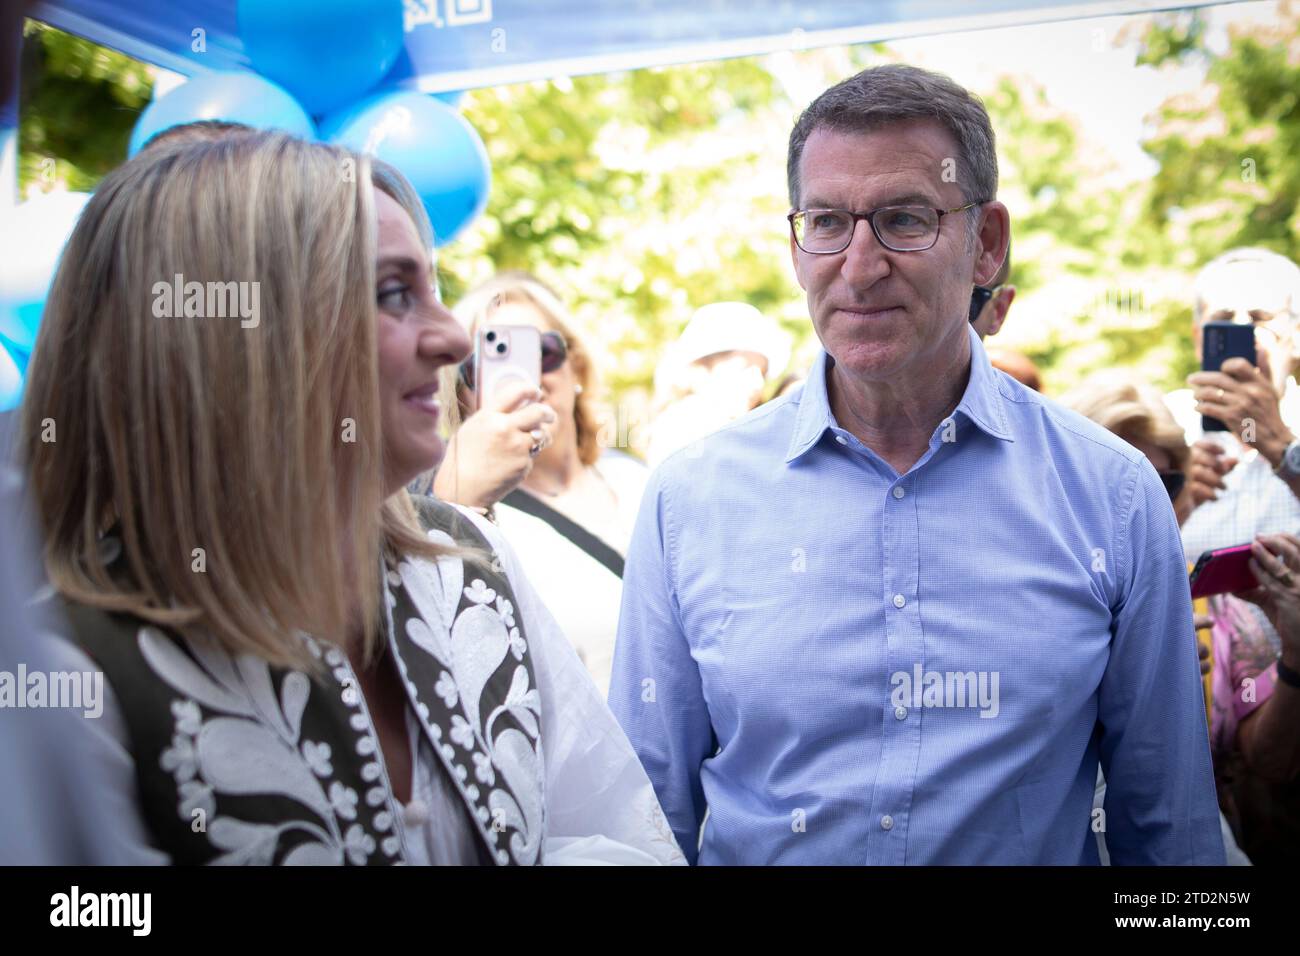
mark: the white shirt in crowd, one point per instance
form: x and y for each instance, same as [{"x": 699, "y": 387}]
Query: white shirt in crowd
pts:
[{"x": 581, "y": 592}]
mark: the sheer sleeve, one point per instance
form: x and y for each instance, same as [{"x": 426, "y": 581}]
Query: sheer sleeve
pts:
[{"x": 601, "y": 808}]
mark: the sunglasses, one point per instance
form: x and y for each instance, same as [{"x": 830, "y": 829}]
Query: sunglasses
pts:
[
  {"x": 1173, "y": 482},
  {"x": 554, "y": 353}
]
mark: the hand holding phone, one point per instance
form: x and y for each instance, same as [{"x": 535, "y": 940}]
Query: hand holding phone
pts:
[
  {"x": 1221, "y": 341},
  {"x": 506, "y": 354},
  {"x": 1223, "y": 571}
]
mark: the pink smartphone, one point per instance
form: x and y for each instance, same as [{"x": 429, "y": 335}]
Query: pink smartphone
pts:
[
  {"x": 506, "y": 354},
  {"x": 1223, "y": 571}
]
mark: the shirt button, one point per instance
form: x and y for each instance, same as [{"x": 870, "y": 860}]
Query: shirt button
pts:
[
  {"x": 899, "y": 600},
  {"x": 415, "y": 813},
  {"x": 898, "y": 491},
  {"x": 886, "y": 822},
  {"x": 900, "y": 713},
  {"x": 841, "y": 439}
]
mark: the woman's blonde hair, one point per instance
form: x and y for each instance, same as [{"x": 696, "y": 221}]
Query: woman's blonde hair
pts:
[
  {"x": 1132, "y": 410},
  {"x": 240, "y": 459},
  {"x": 475, "y": 307}
]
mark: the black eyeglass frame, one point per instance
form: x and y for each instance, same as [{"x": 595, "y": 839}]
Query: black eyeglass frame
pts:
[{"x": 870, "y": 217}]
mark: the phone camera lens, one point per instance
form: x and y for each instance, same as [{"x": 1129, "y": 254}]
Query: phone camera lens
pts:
[
  {"x": 501, "y": 348},
  {"x": 491, "y": 336}
]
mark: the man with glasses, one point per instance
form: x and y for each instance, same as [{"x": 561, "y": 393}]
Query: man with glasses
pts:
[{"x": 900, "y": 615}]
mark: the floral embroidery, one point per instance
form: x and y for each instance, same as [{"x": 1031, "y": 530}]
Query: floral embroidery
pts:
[
  {"x": 479, "y": 637},
  {"x": 461, "y": 732},
  {"x": 317, "y": 757},
  {"x": 446, "y": 689},
  {"x": 250, "y": 744},
  {"x": 480, "y": 593},
  {"x": 518, "y": 646}
]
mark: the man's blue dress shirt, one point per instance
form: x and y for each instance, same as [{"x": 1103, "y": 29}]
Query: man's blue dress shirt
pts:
[{"x": 847, "y": 665}]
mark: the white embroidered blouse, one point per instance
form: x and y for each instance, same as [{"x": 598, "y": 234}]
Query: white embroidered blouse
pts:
[{"x": 600, "y": 806}]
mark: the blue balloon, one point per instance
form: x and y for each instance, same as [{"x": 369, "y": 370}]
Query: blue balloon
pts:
[
  {"x": 233, "y": 97},
  {"x": 11, "y": 382},
  {"x": 433, "y": 146},
  {"x": 30, "y": 245},
  {"x": 326, "y": 52},
  {"x": 450, "y": 97}
]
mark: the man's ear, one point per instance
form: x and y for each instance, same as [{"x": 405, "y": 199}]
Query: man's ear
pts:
[{"x": 994, "y": 239}]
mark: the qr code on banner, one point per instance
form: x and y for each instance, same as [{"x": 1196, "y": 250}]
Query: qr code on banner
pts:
[
  {"x": 464, "y": 12},
  {"x": 455, "y": 13}
]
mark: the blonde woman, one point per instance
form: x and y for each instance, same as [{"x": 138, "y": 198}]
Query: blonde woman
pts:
[
  {"x": 303, "y": 665},
  {"x": 569, "y": 506}
]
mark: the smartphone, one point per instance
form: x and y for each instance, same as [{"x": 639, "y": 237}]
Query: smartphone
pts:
[
  {"x": 1223, "y": 571},
  {"x": 506, "y": 354},
  {"x": 1221, "y": 341},
  {"x": 979, "y": 298}
]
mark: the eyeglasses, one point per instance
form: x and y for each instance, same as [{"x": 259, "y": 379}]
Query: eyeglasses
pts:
[
  {"x": 554, "y": 353},
  {"x": 825, "y": 232}
]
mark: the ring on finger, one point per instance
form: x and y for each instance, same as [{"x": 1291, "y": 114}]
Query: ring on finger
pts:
[{"x": 1219, "y": 396}]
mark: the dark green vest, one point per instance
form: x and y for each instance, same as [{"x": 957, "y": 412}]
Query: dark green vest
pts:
[{"x": 240, "y": 762}]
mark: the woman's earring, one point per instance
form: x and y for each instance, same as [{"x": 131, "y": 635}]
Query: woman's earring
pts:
[{"x": 577, "y": 389}]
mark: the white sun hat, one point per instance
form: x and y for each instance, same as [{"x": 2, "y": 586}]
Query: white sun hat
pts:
[{"x": 726, "y": 327}]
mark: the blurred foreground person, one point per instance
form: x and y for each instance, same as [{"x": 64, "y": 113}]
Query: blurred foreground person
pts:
[
  {"x": 570, "y": 512},
  {"x": 302, "y": 664},
  {"x": 47, "y": 750},
  {"x": 714, "y": 373}
]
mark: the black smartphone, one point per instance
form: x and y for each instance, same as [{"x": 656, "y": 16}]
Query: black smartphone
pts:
[
  {"x": 1221, "y": 341},
  {"x": 979, "y": 298}
]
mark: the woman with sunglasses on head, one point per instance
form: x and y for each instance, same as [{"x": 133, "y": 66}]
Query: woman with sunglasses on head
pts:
[
  {"x": 301, "y": 663},
  {"x": 570, "y": 514}
]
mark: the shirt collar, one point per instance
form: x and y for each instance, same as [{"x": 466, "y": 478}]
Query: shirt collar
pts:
[{"x": 983, "y": 402}]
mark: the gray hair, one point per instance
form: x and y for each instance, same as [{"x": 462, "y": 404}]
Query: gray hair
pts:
[
  {"x": 895, "y": 93},
  {"x": 1287, "y": 272}
]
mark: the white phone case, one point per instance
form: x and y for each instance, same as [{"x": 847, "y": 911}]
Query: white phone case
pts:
[{"x": 506, "y": 354}]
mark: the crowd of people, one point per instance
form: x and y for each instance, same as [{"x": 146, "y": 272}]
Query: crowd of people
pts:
[{"x": 898, "y": 605}]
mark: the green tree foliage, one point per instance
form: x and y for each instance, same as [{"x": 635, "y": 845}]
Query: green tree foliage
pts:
[
  {"x": 1228, "y": 172},
  {"x": 78, "y": 103},
  {"x": 641, "y": 196}
]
